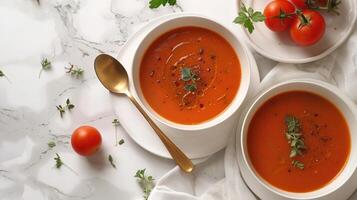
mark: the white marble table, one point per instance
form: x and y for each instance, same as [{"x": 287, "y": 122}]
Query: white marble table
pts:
[{"x": 72, "y": 31}]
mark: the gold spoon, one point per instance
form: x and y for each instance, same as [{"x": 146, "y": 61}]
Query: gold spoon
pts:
[{"x": 114, "y": 77}]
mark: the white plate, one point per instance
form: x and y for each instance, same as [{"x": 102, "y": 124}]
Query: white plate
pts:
[
  {"x": 279, "y": 46},
  {"x": 195, "y": 145}
]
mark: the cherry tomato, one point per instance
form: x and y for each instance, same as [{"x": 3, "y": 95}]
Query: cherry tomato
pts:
[
  {"x": 308, "y": 28},
  {"x": 299, "y": 3},
  {"x": 86, "y": 140},
  {"x": 279, "y": 15}
]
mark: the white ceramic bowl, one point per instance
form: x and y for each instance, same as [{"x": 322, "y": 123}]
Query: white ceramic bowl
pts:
[
  {"x": 342, "y": 181},
  {"x": 197, "y": 21}
]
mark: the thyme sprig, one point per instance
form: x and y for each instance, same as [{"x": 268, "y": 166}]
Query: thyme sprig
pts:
[
  {"x": 111, "y": 161},
  {"x": 295, "y": 139},
  {"x": 146, "y": 182},
  {"x": 116, "y": 123},
  {"x": 46, "y": 65},
  {"x": 74, "y": 70},
  {"x": 59, "y": 163},
  {"x": 62, "y": 109}
]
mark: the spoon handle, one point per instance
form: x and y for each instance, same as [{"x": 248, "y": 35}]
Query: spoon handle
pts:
[{"x": 181, "y": 159}]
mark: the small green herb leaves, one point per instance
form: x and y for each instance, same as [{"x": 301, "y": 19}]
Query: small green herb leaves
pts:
[
  {"x": 246, "y": 17},
  {"x": 51, "y": 144},
  {"x": 74, "y": 71},
  {"x": 158, "y": 3},
  {"x": 110, "y": 159},
  {"x": 298, "y": 164},
  {"x": 190, "y": 78},
  {"x": 146, "y": 182},
  {"x": 58, "y": 160},
  {"x": 46, "y": 65},
  {"x": 62, "y": 109},
  {"x": 1, "y": 74},
  {"x": 293, "y": 136},
  {"x": 121, "y": 142},
  {"x": 295, "y": 139}
]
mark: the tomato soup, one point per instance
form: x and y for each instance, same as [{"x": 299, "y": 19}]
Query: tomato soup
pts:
[
  {"x": 190, "y": 75},
  {"x": 298, "y": 141}
]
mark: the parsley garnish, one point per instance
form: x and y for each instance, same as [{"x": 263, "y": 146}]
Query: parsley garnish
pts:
[
  {"x": 146, "y": 182},
  {"x": 295, "y": 139},
  {"x": 62, "y": 109},
  {"x": 190, "y": 78},
  {"x": 246, "y": 17},
  {"x": 74, "y": 71},
  {"x": 158, "y": 3},
  {"x": 110, "y": 158}
]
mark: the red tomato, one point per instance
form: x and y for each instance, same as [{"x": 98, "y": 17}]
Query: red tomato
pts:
[
  {"x": 279, "y": 15},
  {"x": 299, "y": 3},
  {"x": 308, "y": 31},
  {"x": 86, "y": 140}
]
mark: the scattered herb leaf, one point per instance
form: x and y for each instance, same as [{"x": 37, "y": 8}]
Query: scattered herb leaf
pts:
[
  {"x": 74, "y": 71},
  {"x": 246, "y": 17},
  {"x": 1, "y": 74},
  {"x": 110, "y": 158},
  {"x": 46, "y": 65},
  {"x": 116, "y": 123},
  {"x": 121, "y": 142},
  {"x": 146, "y": 182},
  {"x": 298, "y": 164},
  {"x": 51, "y": 144},
  {"x": 158, "y": 3},
  {"x": 58, "y": 160},
  {"x": 62, "y": 109}
]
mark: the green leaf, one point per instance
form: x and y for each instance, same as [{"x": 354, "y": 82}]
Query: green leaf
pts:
[
  {"x": 158, "y": 3},
  {"x": 246, "y": 17},
  {"x": 186, "y": 74},
  {"x": 111, "y": 161},
  {"x": 191, "y": 87},
  {"x": 121, "y": 142},
  {"x": 258, "y": 17},
  {"x": 1, "y": 74},
  {"x": 58, "y": 160},
  {"x": 51, "y": 144}
]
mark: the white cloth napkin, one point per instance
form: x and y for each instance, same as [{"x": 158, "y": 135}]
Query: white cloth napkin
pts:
[{"x": 218, "y": 177}]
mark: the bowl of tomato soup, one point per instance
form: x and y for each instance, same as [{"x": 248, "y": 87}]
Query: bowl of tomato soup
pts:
[
  {"x": 191, "y": 73},
  {"x": 299, "y": 141}
]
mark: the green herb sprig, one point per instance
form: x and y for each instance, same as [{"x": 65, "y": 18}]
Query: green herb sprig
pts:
[
  {"x": 190, "y": 79},
  {"x": 116, "y": 123},
  {"x": 62, "y": 109},
  {"x": 247, "y": 16},
  {"x": 59, "y": 163},
  {"x": 46, "y": 65},
  {"x": 74, "y": 70},
  {"x": 145, "y": 182},
  {"x": 158, "y": 3},
  {"x": 111, "y": 161},
  {"x": 294, "y": 136}
]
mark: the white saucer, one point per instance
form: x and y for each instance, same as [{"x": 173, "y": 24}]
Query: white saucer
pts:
[
  {"x": 195, "y": 145},
  {"x": 281, "y": 48}
]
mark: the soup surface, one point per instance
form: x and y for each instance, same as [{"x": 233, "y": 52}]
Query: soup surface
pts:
[
  {"x": 190, "y": 75},
  {"x": 293, "y": 162}
]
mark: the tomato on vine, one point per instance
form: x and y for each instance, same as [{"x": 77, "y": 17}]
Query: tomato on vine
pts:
[
  {"x": 308, "y": 28},
  {"x": 279, "y": 15}
]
